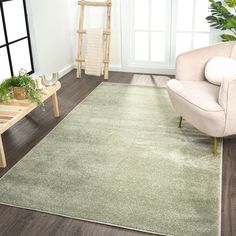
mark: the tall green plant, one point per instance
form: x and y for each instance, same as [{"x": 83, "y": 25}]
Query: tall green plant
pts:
[{"x": 223, "y": 17}]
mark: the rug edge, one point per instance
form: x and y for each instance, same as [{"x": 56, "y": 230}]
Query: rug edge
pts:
[
  {"x": 86, "y": 220},
  {"x": 134, "y": 85}
]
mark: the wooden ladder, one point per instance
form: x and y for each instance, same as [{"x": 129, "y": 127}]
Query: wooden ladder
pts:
[{"x": 107, "y": 34}]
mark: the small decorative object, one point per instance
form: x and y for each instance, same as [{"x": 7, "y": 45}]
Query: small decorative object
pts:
[
  {"x": 39, "y": 85},
  {"x": 20, "y": 87},
  {"x": 51, "y": 80},
  {"x": 55, "y": 77},
  {"x": 223, "y": 17}
]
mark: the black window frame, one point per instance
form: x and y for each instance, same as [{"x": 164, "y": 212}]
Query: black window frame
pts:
[{"x": 7, "y": 43}]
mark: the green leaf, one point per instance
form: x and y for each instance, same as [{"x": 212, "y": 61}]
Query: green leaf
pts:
[
  {"x": 228, "y": 37},
  {"x": 221, "y": 18},
  {"x": 230, "y": 23},
  {"x": 218, "y": 9},
  {"x": 231, "y": 3},
  {"x": 217, "y": 22}
]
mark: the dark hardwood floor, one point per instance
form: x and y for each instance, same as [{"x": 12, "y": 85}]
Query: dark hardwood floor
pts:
[{"x": 28, "y": 132}]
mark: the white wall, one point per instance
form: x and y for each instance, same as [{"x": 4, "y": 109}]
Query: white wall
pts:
[
  {"x": 73, "y": 14},
  {"x": 53, "y": 26},
  {"x": 50, "y": 36}
]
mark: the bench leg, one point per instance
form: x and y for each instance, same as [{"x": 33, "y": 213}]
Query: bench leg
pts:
[
  {"x": 55, "y": 105},
  {"x": 3, "y": 162}
]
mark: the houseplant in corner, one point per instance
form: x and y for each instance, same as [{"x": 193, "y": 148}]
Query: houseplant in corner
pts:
[
  {"x": 223, "y": 17},
  {"x": 20, "y": 87}
]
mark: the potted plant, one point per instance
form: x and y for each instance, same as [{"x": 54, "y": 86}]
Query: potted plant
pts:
[
  {"x": 20, "y": 87},
  {"x": 223, "y": 17}
]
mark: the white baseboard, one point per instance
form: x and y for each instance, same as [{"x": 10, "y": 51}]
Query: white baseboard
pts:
[
  {"x": 119, "y": 68},
  {"x": 116, "y": 68},
  {"x": 66, "y": 70},
  {"x": 61, "y": 72},
  {"x": 111, "y": 67},
  {"x": 162, "y": 71}
]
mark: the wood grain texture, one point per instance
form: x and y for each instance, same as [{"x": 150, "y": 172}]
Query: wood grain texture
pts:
[
  {"x": 84, "y": 32},
  {"x": 228, "y": 210},
  {"x": 80, "y": 40},
  {"x": 3, "y": 162},
  {"x": 12, "y": 113},
  {"x": 18, "y": 109},
  {"x": 23, "y": 136},
  {"x": 55, "y": 105},
  {"x": 95, "y": 4},
  {"x": 108, "y": 41}
]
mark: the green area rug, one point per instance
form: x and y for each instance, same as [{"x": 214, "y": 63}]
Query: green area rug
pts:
[{"x": 118, "y": 158}]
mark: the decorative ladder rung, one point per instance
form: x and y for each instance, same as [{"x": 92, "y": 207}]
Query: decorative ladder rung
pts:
[
  {"x": 95, "y": 4},
  {"x": 82, "y": 60},
  {"x": 84, "y": 32}
]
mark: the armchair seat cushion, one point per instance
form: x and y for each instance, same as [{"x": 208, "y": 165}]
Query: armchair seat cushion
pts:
[
  {"x": 197, "y": 102},
  {"x": 201, "y": 94}
]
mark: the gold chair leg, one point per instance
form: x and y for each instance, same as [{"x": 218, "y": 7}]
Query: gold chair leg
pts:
[
  {"x": 180, "y": 121},
  {"x": 215, "y": 147}
]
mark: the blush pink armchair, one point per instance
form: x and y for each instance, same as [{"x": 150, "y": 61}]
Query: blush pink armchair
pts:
[{"x": 209, "y": 108}]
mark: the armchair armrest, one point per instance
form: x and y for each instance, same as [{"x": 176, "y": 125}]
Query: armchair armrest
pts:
[
  {"x": 191, "y": 65},
  {"x": 227, "y": 99}
]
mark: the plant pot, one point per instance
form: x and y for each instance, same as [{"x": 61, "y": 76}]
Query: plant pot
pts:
[{"x": 20, "y": 93}]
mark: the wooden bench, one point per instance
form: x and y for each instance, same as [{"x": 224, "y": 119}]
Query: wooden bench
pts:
[{"x": 17, "y": 109}]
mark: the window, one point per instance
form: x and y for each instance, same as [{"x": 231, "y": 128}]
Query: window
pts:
[
  {"x": 150, "y": 26},
  {"x": 15, "y": 47},
  {"x": 192, "y": 27},
  {"x": 157, "y": 31}
]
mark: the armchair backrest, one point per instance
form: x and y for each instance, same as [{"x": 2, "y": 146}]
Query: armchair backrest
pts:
[{"x": 191, "y": 65}]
